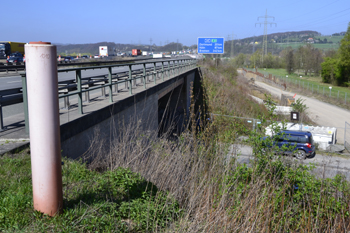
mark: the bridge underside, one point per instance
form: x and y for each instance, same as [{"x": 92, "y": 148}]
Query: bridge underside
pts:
[{"x": 157, "y": 110}]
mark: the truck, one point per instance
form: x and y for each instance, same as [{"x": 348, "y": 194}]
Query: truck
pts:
[
  {"x": 157, "y": 55},
  {"x": 8, "y": 47},
  {"x": 144, "y": 53},
  {"x": 103, "y": 51},
  {"x": 136, "y": 52}
]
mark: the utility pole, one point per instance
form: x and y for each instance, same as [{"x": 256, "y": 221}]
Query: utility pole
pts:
[
  {"x": 264, "y": 48},
  {"x": 177, "y": 45}
]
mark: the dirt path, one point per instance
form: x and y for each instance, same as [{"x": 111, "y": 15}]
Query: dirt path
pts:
[{"x": 322, "y": 113}]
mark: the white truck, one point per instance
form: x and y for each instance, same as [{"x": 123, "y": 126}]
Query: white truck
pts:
[
  {"x": 158, "y": 55},
  {"x": 144, "y": 53},
  {"x": 103, "y": 51}
]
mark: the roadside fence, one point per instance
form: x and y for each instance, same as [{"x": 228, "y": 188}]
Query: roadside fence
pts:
[{"x": 284, "y": 82}]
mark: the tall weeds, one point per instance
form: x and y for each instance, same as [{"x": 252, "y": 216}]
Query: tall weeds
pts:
[{"x": 214, "y": 191}]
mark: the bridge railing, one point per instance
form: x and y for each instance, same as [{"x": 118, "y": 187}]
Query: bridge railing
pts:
[{"x": 79, "y": 86}]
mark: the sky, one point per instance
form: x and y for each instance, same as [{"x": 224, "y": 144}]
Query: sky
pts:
[{"x": 140, "y": 21}]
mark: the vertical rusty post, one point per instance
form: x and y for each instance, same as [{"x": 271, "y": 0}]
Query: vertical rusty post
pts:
[{"x": 45, "y": 144}]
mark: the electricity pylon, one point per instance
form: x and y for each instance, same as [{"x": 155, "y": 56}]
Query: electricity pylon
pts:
[{"x": 264, "y": 49}]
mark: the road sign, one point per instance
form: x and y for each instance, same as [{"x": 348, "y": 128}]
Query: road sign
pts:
[{"x": 210, "y": 45}]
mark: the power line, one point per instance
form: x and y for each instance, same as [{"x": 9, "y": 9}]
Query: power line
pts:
[{"x": 303, "y": 14}]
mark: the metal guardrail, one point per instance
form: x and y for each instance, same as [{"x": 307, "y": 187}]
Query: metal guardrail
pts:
[
  {"x": 21, "y": 66},
  {"x": 346, "y": 139},
  {"x": 81, "y": 86}
]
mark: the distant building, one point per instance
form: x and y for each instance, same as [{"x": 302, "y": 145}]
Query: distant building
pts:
[{"x": 310, "y": 40}]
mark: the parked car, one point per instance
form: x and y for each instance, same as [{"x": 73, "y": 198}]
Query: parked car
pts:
[
  {"x": 15, "y": 58},
  {"x": 290, "y": 142}
]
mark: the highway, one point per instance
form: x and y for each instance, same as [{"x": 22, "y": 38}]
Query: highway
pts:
[
  {"x": 326, "y": 166},
  {"x": 15, "y": 80}
]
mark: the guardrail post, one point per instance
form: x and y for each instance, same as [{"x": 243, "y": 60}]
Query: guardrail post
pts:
[
  {"x": 168, "y": 69},
  {"x": 345, "y": 97},
  {"x": 116, "y": 86},
  {"x": 345, "y": 135},
  {"x": 80, "y": 94},
  {"x": 144, "y": 75},
  {"x": 25, "y": 102},
  {"x": 130, "y": 84},
  {"x": 155, "y": 72},
  {"x": 1, "y": 119},
  {"x": 162, "y": 70},
  {"x": 110, "y": 84}
]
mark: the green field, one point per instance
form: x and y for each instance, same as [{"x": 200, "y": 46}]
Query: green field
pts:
[
  {"x": 296, "y": 45},
  {"x": 310, "y": 82}
]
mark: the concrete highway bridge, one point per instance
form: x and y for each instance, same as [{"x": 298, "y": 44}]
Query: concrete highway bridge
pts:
[{"x": 104, "y": 98}]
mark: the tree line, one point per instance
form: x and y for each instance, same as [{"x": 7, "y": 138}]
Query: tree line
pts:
[{"x": 332, "y": 65}]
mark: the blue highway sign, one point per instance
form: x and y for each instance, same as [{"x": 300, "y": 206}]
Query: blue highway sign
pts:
[{"x": 210, "y": 45}]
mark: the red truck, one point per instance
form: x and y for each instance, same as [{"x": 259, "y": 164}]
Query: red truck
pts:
[{"x": 136, "y": 52}]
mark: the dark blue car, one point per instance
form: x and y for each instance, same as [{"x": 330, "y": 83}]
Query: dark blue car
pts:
[{"x": 290, "y": 142}]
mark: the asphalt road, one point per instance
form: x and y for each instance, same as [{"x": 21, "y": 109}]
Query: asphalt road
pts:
[
  {"x": 322, "y": 113},
  {"x": 326, "y": 166}
]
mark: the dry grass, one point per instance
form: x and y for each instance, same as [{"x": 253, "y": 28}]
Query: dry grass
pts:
[{"x": 216, "y": 193}]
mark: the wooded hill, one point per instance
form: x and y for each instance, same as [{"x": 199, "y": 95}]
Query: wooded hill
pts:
[{"x": 276, "y": 43}]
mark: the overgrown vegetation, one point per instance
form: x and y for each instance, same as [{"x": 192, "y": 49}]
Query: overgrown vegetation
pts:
[{"x": 197, "y": 183}]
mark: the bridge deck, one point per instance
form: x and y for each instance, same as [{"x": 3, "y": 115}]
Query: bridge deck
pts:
[{"x": 15, "y": 137}]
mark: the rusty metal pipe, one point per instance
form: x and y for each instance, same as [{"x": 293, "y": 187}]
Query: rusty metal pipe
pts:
[{"x": 45, "y": 144}]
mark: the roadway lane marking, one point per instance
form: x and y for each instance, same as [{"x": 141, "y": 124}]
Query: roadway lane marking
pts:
[{"x": 14, "y": 82}]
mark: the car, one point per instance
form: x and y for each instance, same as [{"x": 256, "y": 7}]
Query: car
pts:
[
  {"x": 292, "y": 142},
  {"x": 97, "y": 56},
  {"x": 69, "y": 58},
  {"x": 15, "y": 58},
  {"x": 85, "y": 56}
]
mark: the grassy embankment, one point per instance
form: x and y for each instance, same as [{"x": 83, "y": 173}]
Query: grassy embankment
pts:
[
  {"x": 311, "y": 85},
  {"x": 143, "y": 183}
]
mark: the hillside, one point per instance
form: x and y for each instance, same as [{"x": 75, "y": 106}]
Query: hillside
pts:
[
  {"x": 276, "y": 43},
  {"x": 279, "y": 41}
]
